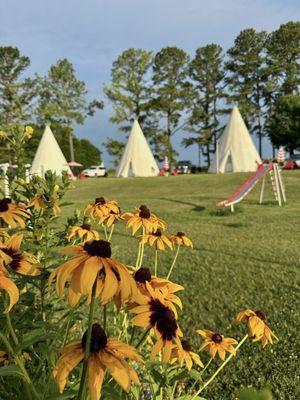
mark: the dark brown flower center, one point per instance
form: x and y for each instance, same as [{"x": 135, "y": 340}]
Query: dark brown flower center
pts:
[
  {"x": 180, "y": 234},
  {"x": 164, "y": 319},
  {"x": 157, "y": 233},
  {"x": 217, "y": 338},
  {"x": 100, "y": 200},
  {"x": 16, "y": 261},
  {"x": 98, "y": 339},
  {"x": 261, "y": 315},
  {"x": 87, "y": 227},
  {"x": 186, "y": 345},
  {"x": 144, "y": 212},
  {"x": 142, "y": 275},
  {"x": 99, "y": 248},
  {"x": 4, "y": 204}
]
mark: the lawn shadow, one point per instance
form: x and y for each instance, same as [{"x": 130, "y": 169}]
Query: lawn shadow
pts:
[{"x": 196, "y": 207}]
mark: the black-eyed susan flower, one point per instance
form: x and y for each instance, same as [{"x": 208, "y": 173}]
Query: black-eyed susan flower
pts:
[
  {"x": 92, "y": 261},
  {"x": 101, "y": 208},
  {"x": 185, "y": 355},
  {"x": 19, "y": 261},
  {"x": 43, "y": 202},
  {"x": 257, "y": 327},
  {"x": 156, "y": 238},
  {"x": 163, "y": 288},
  {"x": 161, "y": 318},
  {"x": 105, "y": 354},
  {"x": 181, "y": 240},
  {"x": 111, "y": 218},
  {"x": 217, "y": 343},
  {"x": 12, "y": 214},
  {"x": 84, "y": 232},
  {"x": 144, "y": 218},
  {"x": 11, "y": 289}
]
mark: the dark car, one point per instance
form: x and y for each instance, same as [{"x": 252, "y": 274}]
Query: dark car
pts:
[{"x": 184, "y": 167}]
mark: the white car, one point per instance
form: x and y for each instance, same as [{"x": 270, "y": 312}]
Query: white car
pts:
[{"x": 95, "y": 171}]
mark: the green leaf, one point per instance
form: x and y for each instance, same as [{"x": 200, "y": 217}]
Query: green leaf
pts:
[
  {"x": 11, "y": 370},
  {"x": 35, "y": 336}
]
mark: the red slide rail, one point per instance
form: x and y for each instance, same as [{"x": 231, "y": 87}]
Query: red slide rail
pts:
[{"x": 242, "y": 192}]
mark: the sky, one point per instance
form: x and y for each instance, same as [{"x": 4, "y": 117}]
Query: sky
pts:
[{"x": 92, "y": 33}]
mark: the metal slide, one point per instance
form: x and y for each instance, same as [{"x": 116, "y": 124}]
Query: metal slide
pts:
[{"x": 242, "y": 192}]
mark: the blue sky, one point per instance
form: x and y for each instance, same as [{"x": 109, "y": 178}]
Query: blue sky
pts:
[{"x": 92, "y": 33}]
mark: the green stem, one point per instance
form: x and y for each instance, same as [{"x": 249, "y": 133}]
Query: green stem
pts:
[
  {"x": 88, "y": 343},
  {"x": 155, "y": 262},
  {"x": 142, "y": 249},
  {"x": 111, "y": 232},
  {"x": 132, "y": 334},
  {"x": 105, "y": 232},
  {"x": 20, "y": 364},
  {"x": 138, "y": 256},
  {"x": 174, "y": 262},
  {"x": 143, "y": 338},
  {"x": 11, "y": 330},
  {"x": 104, "y": 316},
  {"x": 220, "y": 368},
  {"x": 201, "y": 373}
]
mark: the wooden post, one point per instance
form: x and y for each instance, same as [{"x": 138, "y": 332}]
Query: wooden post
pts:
[
  {"x": 281, "y": 184},
  {"x": 232, "y": 207},
  {"x": 262, "y": 190},
  {"x": 277, "y": 185}
]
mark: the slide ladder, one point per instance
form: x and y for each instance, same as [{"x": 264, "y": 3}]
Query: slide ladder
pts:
[{"x": 259, "y": 175}]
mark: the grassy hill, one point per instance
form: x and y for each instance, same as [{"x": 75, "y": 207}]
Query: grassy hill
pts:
[{"x": 248, "y": 259}]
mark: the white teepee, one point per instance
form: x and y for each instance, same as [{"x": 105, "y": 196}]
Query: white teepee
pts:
[
  {"x": 236, "y": 151},
  {"x": 137, "y": 158},
  {"x": 49, "y": 156}
]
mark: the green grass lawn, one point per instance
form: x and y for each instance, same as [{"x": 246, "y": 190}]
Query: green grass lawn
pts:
[{"x": 248, "y": 259}]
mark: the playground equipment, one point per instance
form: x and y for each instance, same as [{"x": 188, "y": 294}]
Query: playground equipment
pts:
[{"x": 259, "y": 175}]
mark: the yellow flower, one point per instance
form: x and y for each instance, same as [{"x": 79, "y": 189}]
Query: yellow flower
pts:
[
  {"x": 111, "y": 218},
  {"x": 181, "y": 240},
  {"x": 21, "y": 262},
  {"x": 185, "y": 355},
  {"x": 12, "y": 214},
  {"x": 92, "y": 262},
  {"x": 105, "y": 354},
  {"x": 42, "y": 203},
  {"x": 101, "y": 208},
  {"x": 257, "y": 327},
  {"x": 217, "y": 343},
  {"x": 11, "y": 289},
  {"x": 28, "y": 131},
  {"x": 150, "y": 286},
  {"x": 157, "y": 238},
  {"x": 160, "y": 316},
  {"x": 144, "y": 218},
  {"x": 83, "y": 232}
]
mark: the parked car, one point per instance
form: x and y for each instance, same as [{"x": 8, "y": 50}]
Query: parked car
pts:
[
  {"x": 184, "y": 167},
  {"x": 293, "y": 162},
  {"x": 95, "y": 171}
]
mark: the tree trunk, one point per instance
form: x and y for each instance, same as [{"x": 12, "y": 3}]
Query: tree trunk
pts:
[
  {"x": 208, "y": 155},
  {"x": 72, "y": 156}
]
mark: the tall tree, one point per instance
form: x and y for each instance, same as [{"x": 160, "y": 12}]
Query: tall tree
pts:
[
  {"x": 63, "y": 99},
  {"x": 115, "y": 149},
  {"x": 207, "y": 74},
  {"x": 283, "y": 56},
  {"x": 245, "y": 79},
  {"x": 172, "y": 89},
  {"x": 284, "y": 124},
  {"x": 130, "y": 90},
  {"x": 17, "y": 95}
]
